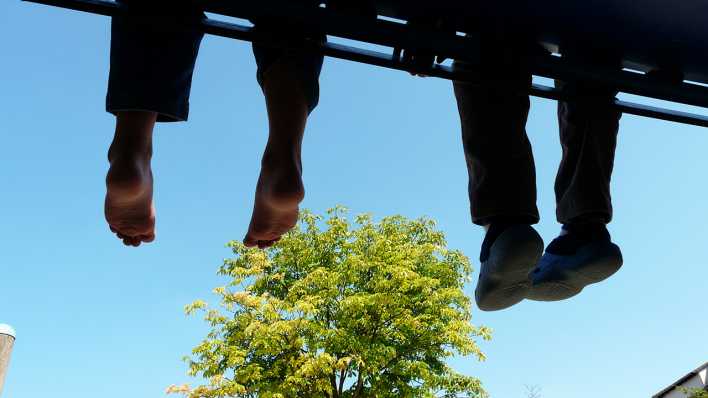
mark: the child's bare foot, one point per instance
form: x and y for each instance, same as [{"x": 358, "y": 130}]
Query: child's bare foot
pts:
[
  {"x": 128, "y": 208},
  {"x": 278, "y": 194}
]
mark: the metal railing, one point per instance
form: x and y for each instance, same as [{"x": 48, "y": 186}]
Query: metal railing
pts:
[{"x": 401, "y": 37}]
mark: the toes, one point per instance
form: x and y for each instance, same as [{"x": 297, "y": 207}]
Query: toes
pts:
[
  {"x": 272, "y": 242},
  {"x": 147, "y": 238},
  {"x": 263, "y": 238},
  {"x": 264, "y": 244},
  {"x": 135, "y": 241},
  {"x": 119, "y": 234},
  {"x": 248, "y": 241}
]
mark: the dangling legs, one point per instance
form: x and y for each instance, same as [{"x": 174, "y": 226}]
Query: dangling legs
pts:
[
  {"x": 152, "y": 60},
  {"x": 280, "y": 189},
  {"x": 502, "y": 182},
  {"x": 583, "y": 253},
  {"x": 289, "y": 79}
]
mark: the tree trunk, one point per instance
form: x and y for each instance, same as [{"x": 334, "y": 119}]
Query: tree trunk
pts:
[
  {"x": 333, "y": 382},
  {"x": 359, "y": 385},
  {"x": 342, "y": 376}
]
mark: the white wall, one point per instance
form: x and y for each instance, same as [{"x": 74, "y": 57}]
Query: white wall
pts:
[{"x": 6, "y": 343}]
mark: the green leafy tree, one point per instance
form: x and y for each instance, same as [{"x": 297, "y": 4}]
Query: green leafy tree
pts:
[
  {"x": 372, "y": 310},
  {"x": 695, "y": 392}
]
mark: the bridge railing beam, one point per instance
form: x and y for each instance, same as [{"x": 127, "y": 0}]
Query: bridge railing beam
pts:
[{"x": 401, "y": 36}]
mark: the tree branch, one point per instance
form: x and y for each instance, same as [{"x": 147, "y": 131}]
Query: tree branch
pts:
[{"x": 342, "y": 376}]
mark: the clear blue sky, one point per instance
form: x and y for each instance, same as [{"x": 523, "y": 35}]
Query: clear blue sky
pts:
[{"x": 96, "y": 319}]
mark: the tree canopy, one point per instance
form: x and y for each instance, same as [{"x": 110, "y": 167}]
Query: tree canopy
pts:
[{"x": 369, "y": 310}]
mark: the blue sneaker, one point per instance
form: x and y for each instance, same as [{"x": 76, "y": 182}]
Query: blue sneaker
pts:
[
  {"x": 572, "y": 262},
  {"x": 506, "y": 263}
]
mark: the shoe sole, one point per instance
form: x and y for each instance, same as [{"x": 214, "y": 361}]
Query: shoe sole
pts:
[
  {"x": 504, "y": 278},
  {"x": 573, "y": 279}
]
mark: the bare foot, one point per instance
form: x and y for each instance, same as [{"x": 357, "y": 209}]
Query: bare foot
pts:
[
  {"x": 280, "y": 189},
  {"x": 128, "y": 207},
  {"x": 278, "y": 194}
]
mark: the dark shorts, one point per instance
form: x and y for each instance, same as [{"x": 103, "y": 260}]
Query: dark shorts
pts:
[{"x": 153, "y": 57}]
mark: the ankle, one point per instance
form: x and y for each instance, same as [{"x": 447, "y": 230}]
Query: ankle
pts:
[
  {"x": 278, "y": 156},
  {"x": 129, "y": 152},
  {"x": 586, "y": 230},
  {"x": 133, "y": 135},
  {"x": 573, "y": 236},
  {"x": 501, "y": 223},
  {"x": 495, "y": 227}
]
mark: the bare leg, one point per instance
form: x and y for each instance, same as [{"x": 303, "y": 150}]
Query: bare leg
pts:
[
  {"x": 128, "y": 208},
  {"x": 280, "y": 188}
]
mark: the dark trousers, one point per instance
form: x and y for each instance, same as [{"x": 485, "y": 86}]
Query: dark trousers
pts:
[
  {"x": 154, "y": 51},
  {"x": 502, "y": 177}
]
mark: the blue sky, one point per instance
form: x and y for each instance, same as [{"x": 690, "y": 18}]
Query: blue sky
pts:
[{"x": 95, "y": 318}]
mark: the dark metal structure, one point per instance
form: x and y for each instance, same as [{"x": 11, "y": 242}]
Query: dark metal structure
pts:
[{"x": 649, "y": 34}]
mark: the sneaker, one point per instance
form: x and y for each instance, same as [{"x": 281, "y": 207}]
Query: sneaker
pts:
[
  {"x": 572, "y": 262},
  {"x": 507, "y": 258}
]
